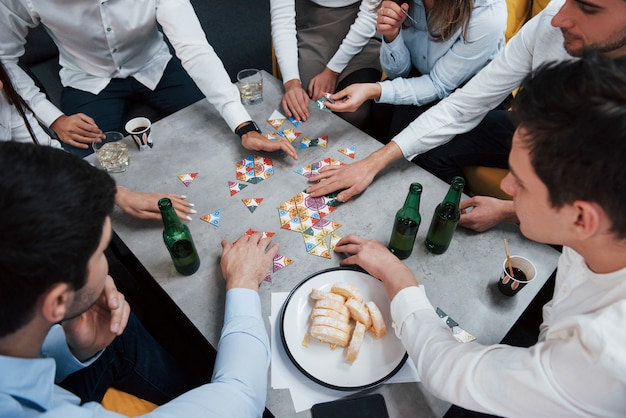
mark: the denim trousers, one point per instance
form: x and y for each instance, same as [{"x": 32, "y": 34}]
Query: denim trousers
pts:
[
  {"x": 134, "y": 363},
  {"x": 110, "y": 107}
]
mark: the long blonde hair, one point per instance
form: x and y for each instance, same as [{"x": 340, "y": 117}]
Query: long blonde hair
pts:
[{"x": 447, "y": 16}]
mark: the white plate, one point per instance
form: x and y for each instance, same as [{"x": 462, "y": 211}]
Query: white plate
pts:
[{"x": 378, "y": 359}]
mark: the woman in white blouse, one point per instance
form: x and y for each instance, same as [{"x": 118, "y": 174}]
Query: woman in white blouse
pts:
[
  {"x": 323, "y": 46},
  {"x": 429, "y": 48},
  {"x": 18, "y": 123}
]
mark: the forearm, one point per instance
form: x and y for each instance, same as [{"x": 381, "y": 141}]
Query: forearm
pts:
[
  {"x": 182, "y": 28},
  {"x": 283, "y": 21}
]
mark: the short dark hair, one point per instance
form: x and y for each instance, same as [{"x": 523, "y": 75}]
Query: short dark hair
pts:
[
  {"x": 53, "y": 206},
  {"x": 574, "y": 116}
]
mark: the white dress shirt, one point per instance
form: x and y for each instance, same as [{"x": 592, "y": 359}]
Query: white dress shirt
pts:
[
  {"x": 444, "y": 65},
  {"x": 283, "y": 13},
  {"x": 578, "y": 367},
  {"x": 109, "y": 39},
  {"x": 536, "y": 43}
]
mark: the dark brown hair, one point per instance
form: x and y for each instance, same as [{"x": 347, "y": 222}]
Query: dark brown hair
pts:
[{"x": 16, "y": 100}]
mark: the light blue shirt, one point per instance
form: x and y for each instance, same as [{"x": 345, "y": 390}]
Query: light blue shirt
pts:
[
  {"x": 444, "y": 65},
  {"x": 238, "y": 387}
]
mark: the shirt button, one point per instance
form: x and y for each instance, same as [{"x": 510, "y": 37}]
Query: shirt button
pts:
[
  {"x": 108, "y": 29},
  {"x": 114, "y": 50}
]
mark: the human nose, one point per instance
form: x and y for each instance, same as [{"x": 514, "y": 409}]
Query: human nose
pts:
[{"x": 562, "y": 18}]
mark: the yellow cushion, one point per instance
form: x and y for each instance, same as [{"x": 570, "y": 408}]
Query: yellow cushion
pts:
[
  {"x": 538, "y": 5},
  {"x": 485, "y": 181},
  {"x": 518, "y": 13},
  {"x": 125, "y": 403}
]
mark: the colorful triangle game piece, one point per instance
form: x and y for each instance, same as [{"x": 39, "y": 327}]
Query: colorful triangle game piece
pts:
[
  {"x": 349, "y": 151},
  {"x": 187, "y": 178},
  {"x": 213, "y": 218},
  {"x": 235, "y": 187}
]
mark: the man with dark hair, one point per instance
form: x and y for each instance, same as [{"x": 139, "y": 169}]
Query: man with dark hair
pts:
[
  {"x": 61, "y": 315},
  {"x": 568, "y": 182}
]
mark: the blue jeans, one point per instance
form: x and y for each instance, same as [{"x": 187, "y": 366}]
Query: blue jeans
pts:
[
  {"x": 110, "y": 107},
  {"x": 488, "y": 144},
  {"x": 134, "y": 363}
]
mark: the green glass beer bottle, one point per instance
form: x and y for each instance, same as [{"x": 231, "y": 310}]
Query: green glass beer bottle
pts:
[
  {"x": 445, "y": 219},
  {"x": 178, "y": 240},
  {"x": 406, "y": 224}
]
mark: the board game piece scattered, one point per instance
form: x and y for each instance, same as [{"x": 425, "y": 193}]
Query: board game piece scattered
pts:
[
  {"x": 349, "y": 151},
  {"x": 187, "y": 178},
  {"x": 254, "y": 169},
  {"x": 458, "y": 333},
  {"x": 314, "y": 142},
  {"x": 213, "y": 218},
  {"x": 312, "y": 169},
  {"x": 290, "y": 134},
  {"x": 276, "y": 119},
  {"x": 235, "y": 187},
  {"x": 252, "y": 203},
  {"x": 272, "y": 136},
  {"x": 295, "y": 122}
]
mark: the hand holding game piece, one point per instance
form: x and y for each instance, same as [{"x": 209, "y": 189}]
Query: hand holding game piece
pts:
[
  {"x": 257, "y": 142},
  {"x": 390, "y": 18},
  {"x": 353, "y": 96},
  {"x": 352, "y": 179}
]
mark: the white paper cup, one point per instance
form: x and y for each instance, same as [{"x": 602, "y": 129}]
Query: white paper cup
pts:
[{"x": 139, "y": 130}]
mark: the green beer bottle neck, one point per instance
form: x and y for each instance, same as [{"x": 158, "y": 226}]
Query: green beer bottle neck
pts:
[
  {"x": 411, "y": 206},
  {"x": 171, "y": 222},
  {"x": 453, "y": 197}
]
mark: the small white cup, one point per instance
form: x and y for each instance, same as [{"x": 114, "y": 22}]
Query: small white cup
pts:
[
  {"x": 510, "y": 285},
  {"x": 139, "y": 130}
]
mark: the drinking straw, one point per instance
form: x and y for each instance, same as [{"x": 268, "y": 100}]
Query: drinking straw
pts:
[{"x": 508, "y": 257}]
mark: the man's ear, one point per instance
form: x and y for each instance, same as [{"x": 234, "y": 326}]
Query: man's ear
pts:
[
  {"x": 589, "y": 220},
  {"x": 54, "y": 303}
]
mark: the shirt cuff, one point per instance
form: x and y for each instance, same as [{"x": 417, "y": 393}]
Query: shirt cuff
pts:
[
  {"x": 242, "y": 302},
  {"x": 405, "y": 303},
  {"x": 386, "y": 92}
]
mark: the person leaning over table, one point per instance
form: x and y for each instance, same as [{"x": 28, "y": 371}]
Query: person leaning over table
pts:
[
  {"x": 324, "y": 45},
  {"x": 64, "y": 321},
  {"x": 17, "y": 123},
  {"x": 568, "y": 182},
  {"x": 562, "y": 31},
  {"x": 429, "y": 49},
  {"x": 112, "y": 53}
]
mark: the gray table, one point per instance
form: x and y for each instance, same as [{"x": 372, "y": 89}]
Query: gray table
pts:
[{"x": 462, "y": 281}]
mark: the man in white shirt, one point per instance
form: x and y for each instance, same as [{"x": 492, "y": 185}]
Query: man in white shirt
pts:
[
  {"x": 61, "y": 314},
  {"x": 111, "y": 52},
  {"x": 562, "y": 31},
  {"x": 567, "y": 179}
]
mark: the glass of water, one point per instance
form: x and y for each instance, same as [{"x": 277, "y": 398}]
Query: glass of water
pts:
[
  {"x": 112, "y": 152},
  {"x": 250, "y": 83}
]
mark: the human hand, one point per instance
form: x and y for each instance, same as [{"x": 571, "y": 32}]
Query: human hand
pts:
[
  {"x": 295, "y": 100},
  {"x": 353, "y": 96},
  {"x": 78, "y": 130},
  {"x": 246, "y": 263},
  {"x": 95, "y": 329},
  {"x": 145, "y": 205},
  {"x": 486, "y": 212},
  {"x": 324, "y": 82},
  {"x": 378, "y": 261},
  {"x": 390, "y": 19},
  {"x": 352, "y": 179},
  {"x": 257, "y": 142}
]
